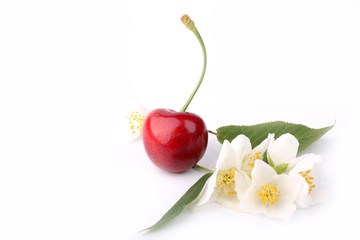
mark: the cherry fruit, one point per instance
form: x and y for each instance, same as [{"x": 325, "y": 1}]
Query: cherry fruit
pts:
[{"x": 176, "y": 141}]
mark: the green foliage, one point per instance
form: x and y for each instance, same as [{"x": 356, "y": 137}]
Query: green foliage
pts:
[
  {"x": 180, "y": 205},
  {"x": 257, "y": 133}
]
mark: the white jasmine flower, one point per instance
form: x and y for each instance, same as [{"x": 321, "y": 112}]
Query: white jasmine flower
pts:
[
  {"x": 232, "y": 175},
  {"x": 133, "y": 121},
  {"x": 247, "y": 155},
  {"x": 283, "y": 151},
  {"x": 269, "y": 193},
  {"x": 303, "y": 170},
  {"x": 227, "y": 183}
]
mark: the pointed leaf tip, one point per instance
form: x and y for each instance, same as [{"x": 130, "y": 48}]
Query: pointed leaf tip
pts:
[{"x": 181, "y": 204}]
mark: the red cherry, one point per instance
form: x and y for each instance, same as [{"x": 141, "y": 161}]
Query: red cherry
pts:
[{"x": 174, "y": 141}]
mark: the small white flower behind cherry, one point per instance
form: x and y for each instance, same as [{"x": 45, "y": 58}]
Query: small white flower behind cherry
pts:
[{"x": 133, "y": 122}]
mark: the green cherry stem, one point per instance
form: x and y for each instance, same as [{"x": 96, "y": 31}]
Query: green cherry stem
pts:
[
  {"x": 209, "y": 131},
  {"x": 190, "y": 25},
  {"x": 200, "y": 168}
]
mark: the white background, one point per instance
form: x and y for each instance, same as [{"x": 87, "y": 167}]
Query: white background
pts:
[{"x": 69, "y": 68}]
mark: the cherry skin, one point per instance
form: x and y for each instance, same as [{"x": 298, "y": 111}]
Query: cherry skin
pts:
[{"x": 174, "y": 141}]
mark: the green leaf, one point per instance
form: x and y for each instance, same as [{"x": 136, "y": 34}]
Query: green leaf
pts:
[
  {"x": 271, "y": 162},
  {"x": 180, "y": 205},
  {"x": 280, "y": 168},
  {"x": 257, "y": 133}
]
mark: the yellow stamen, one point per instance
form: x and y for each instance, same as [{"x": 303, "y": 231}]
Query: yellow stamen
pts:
[
  {"x": 226, "y": 182},
  {"x": 269, "y": 194},
  {"x": 254, "y": 157},
  {"x": 136, "y": 121},
  {"x": 309, "y": 179}
]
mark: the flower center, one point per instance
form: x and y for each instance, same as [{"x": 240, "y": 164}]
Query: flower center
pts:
[
  {"x": 226, "y": 182},
  {"x": 309, "y": 179},
  {"x": 254, "y": 157},
  {"x": 269, "y": 194},
  {"x": 136, "y": 121}
]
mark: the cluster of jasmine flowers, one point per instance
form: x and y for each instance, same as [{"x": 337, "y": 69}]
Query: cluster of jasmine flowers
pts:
[{"x": 268, "y": 179}]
